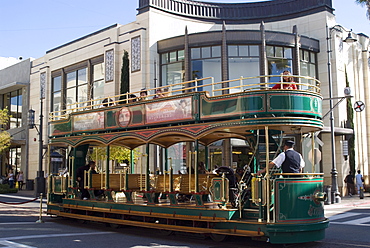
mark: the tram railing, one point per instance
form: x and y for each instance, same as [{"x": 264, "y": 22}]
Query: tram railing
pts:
[{"x": 242, "y": 84}]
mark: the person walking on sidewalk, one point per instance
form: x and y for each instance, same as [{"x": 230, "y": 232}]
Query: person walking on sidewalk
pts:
[
  {"x": 359, "y": 181},
  {"x": 350, "y": 181},
  {"x": 20, "y": 180},
  {"x": 11, "y": 178}
]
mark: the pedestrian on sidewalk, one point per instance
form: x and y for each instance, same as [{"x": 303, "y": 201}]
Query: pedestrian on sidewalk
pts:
[
  {"x": 20, "y": 180},
  {"x": 350, "y": 181},
  {"x": 11, "y": 178},
  {"x": 359, "y": 181}
]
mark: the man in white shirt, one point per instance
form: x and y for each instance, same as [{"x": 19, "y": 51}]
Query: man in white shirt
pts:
[{"x": 290, "y": 161}]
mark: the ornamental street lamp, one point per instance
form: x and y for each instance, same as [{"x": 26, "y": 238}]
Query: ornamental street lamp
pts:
[
  {"x": 40, "y": 179},
  {"x": 334, "y": 174}
]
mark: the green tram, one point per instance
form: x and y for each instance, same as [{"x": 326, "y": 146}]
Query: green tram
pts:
[{"x": 276, "y": 207}]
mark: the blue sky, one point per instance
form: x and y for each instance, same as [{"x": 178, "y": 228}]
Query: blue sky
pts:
[{"x": 30, "y": 28}]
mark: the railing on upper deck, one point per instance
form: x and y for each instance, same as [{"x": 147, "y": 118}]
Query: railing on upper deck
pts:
[{"x": 207, "y": 84}]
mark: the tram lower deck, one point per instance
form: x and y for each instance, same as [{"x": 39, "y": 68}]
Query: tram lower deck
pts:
[{"x": 278, "y": 207}]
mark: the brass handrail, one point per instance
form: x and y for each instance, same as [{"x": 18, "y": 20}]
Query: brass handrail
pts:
[{"x": 313, "y": 85}]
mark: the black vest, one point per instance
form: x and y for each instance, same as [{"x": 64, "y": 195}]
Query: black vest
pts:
[{"x": 292, "y": 162}]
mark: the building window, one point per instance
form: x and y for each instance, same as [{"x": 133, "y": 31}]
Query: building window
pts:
[
  {"x": 173, "y": 68},
  {"x": 279, "y": 59},
  {"x": 308, "y": 66},
  {"x": 13, "y": 101},
  {"x": 56, "y": 88},
  {"x": 76, "y": 88},
  {"x": 243, "y": 62},
  {"x": 15, "y": 158},
  {"x": 206, "y": 62},
  {"x": 98, "y": 83}
]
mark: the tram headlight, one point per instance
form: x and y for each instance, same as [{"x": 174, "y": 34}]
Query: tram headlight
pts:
[{"x": 321, "y": 196}]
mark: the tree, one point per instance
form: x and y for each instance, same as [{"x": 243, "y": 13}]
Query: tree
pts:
[
  {"x": 4, "y": 136},
  {"x": 125, "y": 76},
  {"x": 350, "y": 124},
  {"x": 367, "y": 3},
  {"x": 117, "y": 153}
]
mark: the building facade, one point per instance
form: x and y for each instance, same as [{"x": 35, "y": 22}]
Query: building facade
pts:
[
  {"x": 173, "y": 41},
  {"x": 14, "y": 95}
]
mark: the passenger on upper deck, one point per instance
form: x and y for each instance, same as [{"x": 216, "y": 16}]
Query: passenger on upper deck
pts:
[
  {"x": 290, "y": 161},
  {"x": 132, "y": 98},
  {"x": 107, "y": 102},
  {"x": 288, "y": 82},
  {"x": 143, "y": 95},
  {"x": 165, "y": 92},
  {"x": 159, "y": 94}
]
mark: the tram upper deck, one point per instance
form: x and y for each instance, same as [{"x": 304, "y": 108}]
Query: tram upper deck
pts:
[{"x": 200, "y": 109}]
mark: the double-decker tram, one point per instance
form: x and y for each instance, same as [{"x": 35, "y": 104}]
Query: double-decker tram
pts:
[{"x": 184, "y": 191}]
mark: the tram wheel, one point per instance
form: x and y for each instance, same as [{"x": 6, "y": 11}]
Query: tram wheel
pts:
[{"x": 218, "y": 237}]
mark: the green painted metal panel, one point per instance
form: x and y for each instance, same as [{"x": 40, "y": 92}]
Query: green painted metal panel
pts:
[
  {"x": 295, "y": 103},
  {"x": 232, "y": 106},
  {"x": 295, "y": 199}
]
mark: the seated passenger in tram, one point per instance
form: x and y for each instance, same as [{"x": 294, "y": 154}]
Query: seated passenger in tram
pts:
[{"x": 288, "y": 83}]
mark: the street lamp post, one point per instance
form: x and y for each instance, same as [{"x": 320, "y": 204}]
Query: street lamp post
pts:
[
  {"x": 40, "y": 178},
  {"x": 334, "y": 174}
]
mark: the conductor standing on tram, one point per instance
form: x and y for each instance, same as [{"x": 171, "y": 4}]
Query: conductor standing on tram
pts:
[{"x": 290, "y": 161}]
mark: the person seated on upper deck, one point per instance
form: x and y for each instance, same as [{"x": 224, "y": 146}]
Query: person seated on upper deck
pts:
[
  {"x": 143, "y": 95},
  {"x": 107, "y": 102},
  {"x": 288, "y": 83},
  {"x": 290, "y": 161},
  {"x": 159, "y": 94},
  {"x": 165, "y": 92},
  {"x": 132, "y": 98}
]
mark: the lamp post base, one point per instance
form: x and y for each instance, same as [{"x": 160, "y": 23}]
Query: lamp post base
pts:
[
  {"x": 40, "y": 184},
  {"x": 335, "y": 198}
]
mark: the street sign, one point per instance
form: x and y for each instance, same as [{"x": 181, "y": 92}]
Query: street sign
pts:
[{"x": 359, "y": 106}]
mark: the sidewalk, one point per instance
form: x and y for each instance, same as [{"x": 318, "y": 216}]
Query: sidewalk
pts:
[
  {"x": 25, "y": 193},
  {"x": 348, "y": 201}
]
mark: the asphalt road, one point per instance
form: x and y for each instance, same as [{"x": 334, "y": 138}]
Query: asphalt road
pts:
[{"x": 350, "y": 227}]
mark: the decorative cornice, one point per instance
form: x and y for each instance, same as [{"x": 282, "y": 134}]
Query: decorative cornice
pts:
[{"x": 240, "y": 12}]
